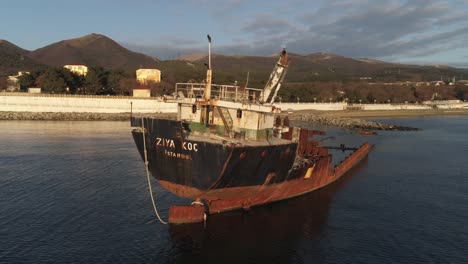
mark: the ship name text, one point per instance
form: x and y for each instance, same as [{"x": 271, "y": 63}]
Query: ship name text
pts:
[
  {"x": 166, "y": 142},
  {"x": 177, "y": 155}
]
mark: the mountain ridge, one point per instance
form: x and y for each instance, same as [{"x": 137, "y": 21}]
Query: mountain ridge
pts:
[
  {"x": 7, "y": 46},
  {"x": 100, "y": 50},
  {"x": 14, "y": 59},
  {"x": 92, "y": 49}
]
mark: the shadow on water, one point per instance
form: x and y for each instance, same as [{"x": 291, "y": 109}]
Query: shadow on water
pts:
[{"x": 265, "y": 234}]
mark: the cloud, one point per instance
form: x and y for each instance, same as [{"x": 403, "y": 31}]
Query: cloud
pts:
[
  {"x": 379, "y": 29},
  {"x": 383, "y": 30},
  {"x": 220, "y": 8},
  {"x": 267, "y": 24},
  {"x": 164, "y": 51}
]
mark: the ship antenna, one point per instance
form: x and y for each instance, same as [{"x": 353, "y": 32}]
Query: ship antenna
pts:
[
  {"x": 209, "y": 51},
  {"x": 247, "y": 81}
]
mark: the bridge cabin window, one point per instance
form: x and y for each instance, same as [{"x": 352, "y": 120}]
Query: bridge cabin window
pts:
[
  {"x": 278, "y": 121},
  {"x": 239, "y": 113},
  {"x": 286, "y": 121}
]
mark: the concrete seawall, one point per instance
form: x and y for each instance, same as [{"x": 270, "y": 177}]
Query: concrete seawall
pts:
[
  {"x": 24, "y": 106},
  {"x": 20, "y": 102}
]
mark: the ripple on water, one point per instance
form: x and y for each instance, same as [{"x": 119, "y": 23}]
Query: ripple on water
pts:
[{"x": 75, "y": 192}]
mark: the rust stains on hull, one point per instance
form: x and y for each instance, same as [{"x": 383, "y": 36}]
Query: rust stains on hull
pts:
[
  {"x": 314, "y": 177},
  {"x": 182, "y": 214}
]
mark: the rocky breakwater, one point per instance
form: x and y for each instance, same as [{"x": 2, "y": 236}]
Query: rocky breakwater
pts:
[
  {"x": 74, "y": 116},
  {"x": 351, "y": 123}
]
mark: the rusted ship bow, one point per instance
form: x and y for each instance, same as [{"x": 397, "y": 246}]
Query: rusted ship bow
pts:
[{"x": 230, "y": 148}]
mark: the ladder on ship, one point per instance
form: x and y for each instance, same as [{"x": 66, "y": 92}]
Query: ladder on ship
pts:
[
  {"x": 180, "y": 131},
  {"x": 227, "y": 119}
]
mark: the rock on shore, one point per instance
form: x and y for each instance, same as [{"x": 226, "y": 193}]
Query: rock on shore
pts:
[
  {"x": 351, "y": 123},
  {"x": 75, "y": 116}
]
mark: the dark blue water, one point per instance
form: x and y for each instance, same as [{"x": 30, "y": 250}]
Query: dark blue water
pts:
[{"x": 75, "y": 192}]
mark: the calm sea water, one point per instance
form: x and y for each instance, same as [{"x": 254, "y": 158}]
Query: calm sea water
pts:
[{"x": 75, "y": 192}]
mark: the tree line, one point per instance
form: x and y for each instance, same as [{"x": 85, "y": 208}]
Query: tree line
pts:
[
  {"x": 100, "y": 81},
  {"x": 97, "y": 81},
  {"x": 362, "y": 92}
]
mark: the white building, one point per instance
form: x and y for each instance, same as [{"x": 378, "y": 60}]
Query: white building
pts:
[
  {"x": 13, "y": 84},
  {"x": 142, "y": 91},
  {"x": 34, "y": 90},
  {"x": 146, "y": 75},
  {"x": 78, "y": 69}
]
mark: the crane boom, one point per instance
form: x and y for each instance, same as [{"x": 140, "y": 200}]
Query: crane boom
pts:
[{"x": 276, "y": 77}]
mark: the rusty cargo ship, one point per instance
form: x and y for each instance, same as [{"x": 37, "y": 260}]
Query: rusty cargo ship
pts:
[{"x": 230, "y": 148}]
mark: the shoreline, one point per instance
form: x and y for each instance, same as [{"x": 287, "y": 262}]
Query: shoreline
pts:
[
  {"x": 296, "y": 115},
  {"x": 360, "y": 120},
  {"x": 72, "y": 116},
  {"x": 382, "y": 113},
  {"x": 353, "y": 120}
]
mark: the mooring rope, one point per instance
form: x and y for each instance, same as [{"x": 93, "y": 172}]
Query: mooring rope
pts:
[{"x": 150, "y": 188}]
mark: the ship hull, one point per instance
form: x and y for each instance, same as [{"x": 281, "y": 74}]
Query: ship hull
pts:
[
  {"x": 321, "y": 175},
  {"x": 229, "y": 176},
  {"x": 207, "y": 165}
]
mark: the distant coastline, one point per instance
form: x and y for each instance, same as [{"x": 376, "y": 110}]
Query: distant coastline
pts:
[
  {"x": 302, "y": 115},
  {"x": 105, "y": 108},
  {"x": 346, "y": 119},
  {"x": 382, "y": 113}
]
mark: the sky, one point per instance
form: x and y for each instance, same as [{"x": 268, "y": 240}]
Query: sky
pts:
[{"x": 419, "y": 31}]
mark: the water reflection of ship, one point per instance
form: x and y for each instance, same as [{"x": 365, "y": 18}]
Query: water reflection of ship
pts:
[{"x": 269, "y": 234}]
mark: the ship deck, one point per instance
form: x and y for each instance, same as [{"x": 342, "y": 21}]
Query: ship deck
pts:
[{"x": 216, "y": 139}]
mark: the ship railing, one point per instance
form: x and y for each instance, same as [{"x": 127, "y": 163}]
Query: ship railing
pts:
[{"x": 221, "y": 92}]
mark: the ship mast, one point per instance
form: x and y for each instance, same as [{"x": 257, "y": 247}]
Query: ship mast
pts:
[{"x": 207, "y": 94}]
